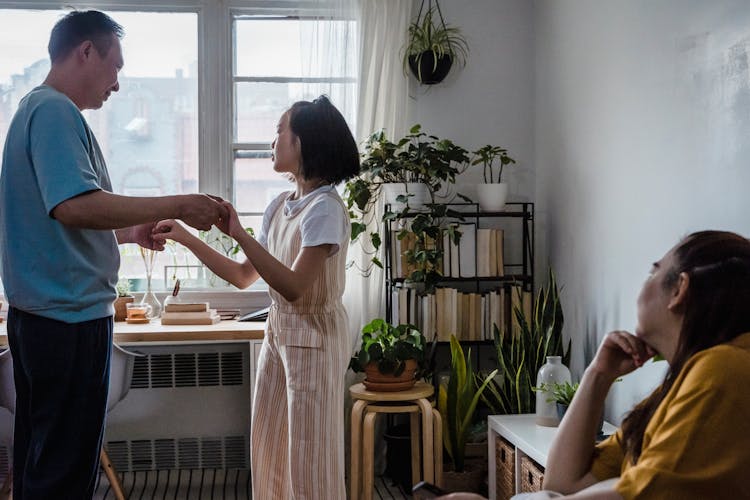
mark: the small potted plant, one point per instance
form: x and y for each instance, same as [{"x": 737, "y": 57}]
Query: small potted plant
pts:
[
  {"x": 392, "y": 357},
  {"x": 457, "y": 403},
  {"x": 414, "y": 168},
  {"x": 432, "y": 48},
  {"x": 560, "y": 393},
  {"x": 492, "y": 194},
  {"x": 123, "y": 297}
]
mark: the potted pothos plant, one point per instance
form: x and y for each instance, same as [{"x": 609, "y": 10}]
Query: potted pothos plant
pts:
[
  {"x": 392, "y": 357},
  {"x": 492, "y": 194},
  {"x": 417, "y": 159},
  {"x": 433, "y": 47}
]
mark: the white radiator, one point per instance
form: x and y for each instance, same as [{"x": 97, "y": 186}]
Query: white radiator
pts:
[{"x": 188, "y": 408}]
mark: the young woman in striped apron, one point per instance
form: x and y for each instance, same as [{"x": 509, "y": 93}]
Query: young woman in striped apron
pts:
[{"x": 298, "y": 409}]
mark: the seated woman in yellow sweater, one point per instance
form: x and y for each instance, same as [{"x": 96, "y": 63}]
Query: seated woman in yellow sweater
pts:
[{"x": 691, "y": 437}]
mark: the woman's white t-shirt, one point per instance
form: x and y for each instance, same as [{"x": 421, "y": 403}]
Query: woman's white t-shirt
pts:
[{"x": 325, "y": 223}]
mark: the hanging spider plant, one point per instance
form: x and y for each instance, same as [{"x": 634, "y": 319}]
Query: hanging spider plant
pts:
[{"x": 433, "y": 48}]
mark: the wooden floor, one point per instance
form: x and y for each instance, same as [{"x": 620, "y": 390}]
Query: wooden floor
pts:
[{"x": 207, "y": 484}]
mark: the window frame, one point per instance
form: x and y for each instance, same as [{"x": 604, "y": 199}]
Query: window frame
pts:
[{"x": 251, "y": 148}]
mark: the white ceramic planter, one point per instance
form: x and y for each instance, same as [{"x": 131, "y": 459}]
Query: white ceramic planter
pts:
[
  {"x": 492, "y": 197},
  {"x": 420, "y": 194}
]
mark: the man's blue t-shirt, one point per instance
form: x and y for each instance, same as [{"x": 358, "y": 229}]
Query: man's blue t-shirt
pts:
[{"x": 48, "y": 268}]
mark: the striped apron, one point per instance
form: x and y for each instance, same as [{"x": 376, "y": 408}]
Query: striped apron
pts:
[{"x": 298, "y": 408}]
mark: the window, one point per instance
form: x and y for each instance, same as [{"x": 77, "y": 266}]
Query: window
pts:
[
  {"x": 148, "y": 131},
  {"x": 167, "y": 130},
  {"x": 267, "y": 80}
]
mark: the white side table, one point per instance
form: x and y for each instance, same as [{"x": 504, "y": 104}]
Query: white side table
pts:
[{"x": 528, "y": 439}]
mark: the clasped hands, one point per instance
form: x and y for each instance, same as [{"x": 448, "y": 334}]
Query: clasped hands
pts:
[{"x": 200, "y": 211}]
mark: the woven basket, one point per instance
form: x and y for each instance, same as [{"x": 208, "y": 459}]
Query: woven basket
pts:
[
  {"x": 505, "y": 459},
  {"x": 532, "y": 476}
]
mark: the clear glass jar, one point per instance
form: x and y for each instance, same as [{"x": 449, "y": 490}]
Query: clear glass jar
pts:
[
  {"x": 150, "y": 298},
  {"x": 552, "y": 372}
]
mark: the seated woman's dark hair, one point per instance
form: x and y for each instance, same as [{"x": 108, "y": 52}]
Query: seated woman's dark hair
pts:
[
  {"x": 717, "y": 309},
  {"x": 328, "y": 149},
  {"x": 78, "y": 26}
]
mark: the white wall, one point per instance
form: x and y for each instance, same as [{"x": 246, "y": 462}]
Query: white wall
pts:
[
  {"x": 490, "y": 100},
  {"x": 642, "y": 134},
  {"x": 631, "y": 123}
]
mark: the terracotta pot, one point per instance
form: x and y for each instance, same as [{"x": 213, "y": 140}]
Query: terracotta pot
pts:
[
  {"x": 120, "y": 312},
  {"x": 376, "y": 381}
]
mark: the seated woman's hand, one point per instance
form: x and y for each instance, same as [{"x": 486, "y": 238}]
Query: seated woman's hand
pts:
[
  {"x": 170, "y": 229},
  {"x": 620, "y": 353}
]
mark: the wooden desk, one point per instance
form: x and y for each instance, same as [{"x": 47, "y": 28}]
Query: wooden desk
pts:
[{"x": 230, "y": 330}]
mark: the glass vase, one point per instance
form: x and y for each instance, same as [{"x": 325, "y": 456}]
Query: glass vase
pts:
[
  {"x": 150, "y": 298},
  {"x": 552, "y": 372}
]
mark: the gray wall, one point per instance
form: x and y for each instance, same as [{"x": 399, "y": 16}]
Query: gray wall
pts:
[
  {"x": 631, "y": 123},
  {"x": 490, "y": 101}
]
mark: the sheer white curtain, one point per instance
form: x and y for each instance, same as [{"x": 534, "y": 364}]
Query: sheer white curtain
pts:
[
  {"x": 383, "y": 103},
  {"x": 330, "y": 52},
  {"x": 383, "y": 87}
]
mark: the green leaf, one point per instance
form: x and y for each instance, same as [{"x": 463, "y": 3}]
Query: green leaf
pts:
[
  {"x": 458, "y": 401},
  {"x": 357, "y": 229},
  {"x": 375, "y": 239}
]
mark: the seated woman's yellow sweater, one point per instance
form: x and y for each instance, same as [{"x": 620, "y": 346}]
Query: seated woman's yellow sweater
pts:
[{"x": 697, "y": 444}]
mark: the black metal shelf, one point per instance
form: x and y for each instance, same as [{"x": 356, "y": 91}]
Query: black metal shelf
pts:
[
  {"x": 509, "y": 278},
  {"x": 470, "y": 211}
]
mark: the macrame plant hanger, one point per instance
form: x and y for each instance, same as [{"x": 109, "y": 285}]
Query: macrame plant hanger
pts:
[
  {"x": 438, "y": 63},
  {"x": 429, "y": 9}
]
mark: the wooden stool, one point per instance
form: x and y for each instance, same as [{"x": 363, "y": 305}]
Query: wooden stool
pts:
[{"x": 414, "y": 401}]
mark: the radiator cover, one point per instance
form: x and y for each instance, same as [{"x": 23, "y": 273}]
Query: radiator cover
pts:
[{"x": 188, "y": 408}]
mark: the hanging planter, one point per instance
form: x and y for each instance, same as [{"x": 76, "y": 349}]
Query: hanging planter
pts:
[
  {"x": 429, "y": 69},
  {"x": 432, "y": 47}
]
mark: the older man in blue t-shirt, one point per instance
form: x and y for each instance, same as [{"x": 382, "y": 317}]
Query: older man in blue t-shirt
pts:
[{"x": 59, "y": 229}]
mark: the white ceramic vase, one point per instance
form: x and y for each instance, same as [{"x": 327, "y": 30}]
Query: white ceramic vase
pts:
[
  {"x": 492, "y": 197},
  {"x": 553, "y": 371}
]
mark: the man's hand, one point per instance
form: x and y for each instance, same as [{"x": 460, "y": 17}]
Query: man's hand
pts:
[{"x": 202, "y": 211}]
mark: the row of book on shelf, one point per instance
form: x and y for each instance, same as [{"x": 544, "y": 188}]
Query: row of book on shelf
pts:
[
  {"x": 479, "y": 253},
  {"x": 468, "y": 315}
]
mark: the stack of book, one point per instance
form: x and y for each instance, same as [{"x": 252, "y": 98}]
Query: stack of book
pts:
[{"x": 184, "y": 313}]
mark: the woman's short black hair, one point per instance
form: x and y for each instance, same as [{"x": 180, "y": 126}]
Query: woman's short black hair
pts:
[
  {"x": 328, "y": 149},
  {"x": 81, "y": 25}
]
